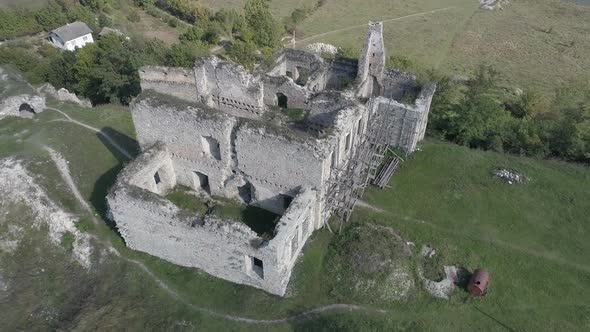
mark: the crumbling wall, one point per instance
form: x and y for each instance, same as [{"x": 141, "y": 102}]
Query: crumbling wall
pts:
[
  {"x": 225, "y": 249},
  {"x": 229, "y": 87},
  {"x": 276, "y": 165},
  {"x": 396, "y": 84},
  {"x": 156, "y": 173},
  {"x": 297, "y": 96},
  {"x": 295, "y": 63},
  {"x": 199, "y": 140},
  {"x": 177, "y": 82},
  {"x": 423, "y": 103},
  {"x": 372, "y": 61},
  {"x": 342, "y": 73}
]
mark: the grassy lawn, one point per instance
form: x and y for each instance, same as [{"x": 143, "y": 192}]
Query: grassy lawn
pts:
[
  {"x": 531, "y": 237},
  {"x": 279, "y": 8}
]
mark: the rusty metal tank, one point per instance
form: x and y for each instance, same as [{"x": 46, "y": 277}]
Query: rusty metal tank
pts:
[{"x": 478, "y": 282}]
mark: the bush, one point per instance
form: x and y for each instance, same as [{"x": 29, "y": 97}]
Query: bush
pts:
[
  {"x": 172, "y": 22},
  {"x": 185, "y": 54},
  {"x": 67, "y": 241},
  {"x": 243, "y": 53},
  {"x": 134, "y": 17}
]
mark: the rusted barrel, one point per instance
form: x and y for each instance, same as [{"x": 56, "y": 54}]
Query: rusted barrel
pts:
[{"x": 478, "y": 282}]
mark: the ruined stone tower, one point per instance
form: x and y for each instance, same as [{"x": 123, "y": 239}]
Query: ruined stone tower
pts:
[
  {"x": 278, "y": 139},
  {"x": 372, "y": 62}
]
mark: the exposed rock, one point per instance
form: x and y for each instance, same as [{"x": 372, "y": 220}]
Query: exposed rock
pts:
[
  {"x": 22, "y": 105},
  {"x": 493, "y": 4},
  {"x": 511, "y": 177},
  {"x": 64, "y": 95},
  {"x": 321, "y": 48},
  {"x": 20, "y": 186}
]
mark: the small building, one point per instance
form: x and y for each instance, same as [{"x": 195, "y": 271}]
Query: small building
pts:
[{"x": 71, "y": 36}]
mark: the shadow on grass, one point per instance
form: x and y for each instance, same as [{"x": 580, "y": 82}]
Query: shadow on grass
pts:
[{"x": 106, "y": 181}]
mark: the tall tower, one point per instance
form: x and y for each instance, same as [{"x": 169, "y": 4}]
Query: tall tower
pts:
[{"x": 372, "y": 62}]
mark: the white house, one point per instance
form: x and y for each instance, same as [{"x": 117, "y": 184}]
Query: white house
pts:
[{"x": 71, "y": 36}]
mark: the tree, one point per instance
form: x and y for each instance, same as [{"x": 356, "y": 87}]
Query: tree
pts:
[
  {"x": 193, "y": 34},
  {"x": 267, "y": 31},
  {"x": 243, "y": 53},
  {"x": 52, "y": 16},
  {"x": 114, "y": 78},
  {"x": 185, "y": 54},
  {"x": 86, "y": 60},
  {"x": 61, "y": 72}
]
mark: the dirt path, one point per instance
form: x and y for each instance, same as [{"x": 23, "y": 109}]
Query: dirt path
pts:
[
  {"x": 96, "y": 130},
  {"x": 62, "y": 166},
  {"x": 365, "y": 25}
]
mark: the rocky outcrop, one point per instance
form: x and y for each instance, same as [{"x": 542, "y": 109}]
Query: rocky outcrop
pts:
[{"x": 22, "y": 105}]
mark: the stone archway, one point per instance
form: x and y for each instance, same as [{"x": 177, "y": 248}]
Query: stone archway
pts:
[
  {"x": 282, "y": 100},
  {"x": 25, "y": 107}
]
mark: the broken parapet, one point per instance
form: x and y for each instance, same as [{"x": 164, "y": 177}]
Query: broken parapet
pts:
[
  {"x": 229, "y": 87},
  {"x": 177, "y": 82},
  {"x": 406, "y": 122},
  {"x": 226, "y": 249}
]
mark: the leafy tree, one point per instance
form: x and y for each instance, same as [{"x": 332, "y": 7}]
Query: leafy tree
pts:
[
  {"x": 61, "y": 72},
  {"x": 104, "y": 21},
  {"x": 243, "y": 53},
  {"x": 226, "y": 18},
  {"x": 151, "y": 52},
  {"x": 52, "y": 16},
  {"x": 16, "y": 22},
  {"x": 185, "y": 54},
  {"x": 195, "y": 33},
  {"x": 213, "y": 33},
  {"x": 267, "y": 31},
  {"x": 114, "y": 78},
  {"x": 86, "y": 59}
]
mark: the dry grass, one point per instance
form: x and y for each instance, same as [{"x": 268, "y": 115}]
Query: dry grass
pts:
[
  {"x": 23, "y": 3},
  {"x": 280, "y": 8},
  {"x": 528, "y": 41}
]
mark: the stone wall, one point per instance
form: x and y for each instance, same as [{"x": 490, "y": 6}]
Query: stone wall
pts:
[
  {"x": 406, "y": 123},
  {"x": 225, "y": 249},
  {"x": 372, "y": 61},
  {"x": 178, "y": 82},
  {"x": 229, "y": 87},
  {"x": 275, "y": 161},
  {"x": 297, "y": 96},
  {"x": 275, "y": 165}
]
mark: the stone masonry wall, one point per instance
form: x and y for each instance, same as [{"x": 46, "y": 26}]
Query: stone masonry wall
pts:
[
  {"x": 178, "y": 82},
  {"x": 275, "y": 165},
  {"x": 275, "y": 161},
  {"x": 229, "y": 87},
  {"x": 225, "y": 249},
  {"x": 372, "y": 61}
]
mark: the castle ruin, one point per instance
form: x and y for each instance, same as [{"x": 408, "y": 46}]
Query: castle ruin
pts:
[{"x": 300, "y": 136}]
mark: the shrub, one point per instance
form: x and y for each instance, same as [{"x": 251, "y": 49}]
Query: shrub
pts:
[
  {"x": 134, "y": 17},
  {"x": 172, "y": 22},
  {"x": 67, "y": 241}
]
